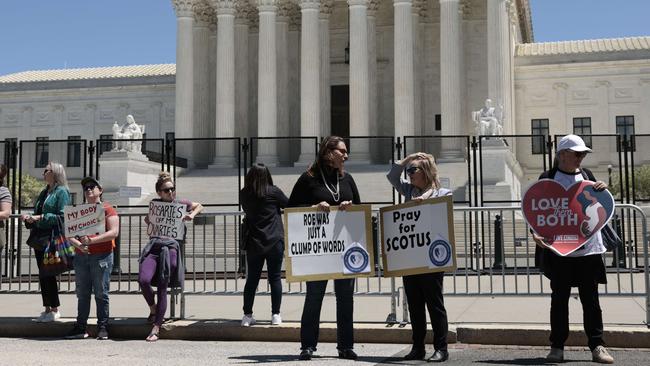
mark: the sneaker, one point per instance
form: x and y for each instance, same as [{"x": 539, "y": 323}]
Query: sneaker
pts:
[
  {"x": 40, "y": 318},
  {"x": 276, "y": 319},
  {"x": 556, "y": 355},
  {"x": 52, "y": 316},
  {"x": 247, "y": 320},
  {"x": 102, "y": 333},
  {"x": 600, "y": 355},
  {"x": 78, "y": 332}
]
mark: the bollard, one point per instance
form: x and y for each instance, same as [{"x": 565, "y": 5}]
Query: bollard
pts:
[
  {"x": 618, "y": 259},
  {"x": 498, "y": 243}
]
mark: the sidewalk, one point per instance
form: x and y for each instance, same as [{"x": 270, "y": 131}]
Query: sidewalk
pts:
[{"x": 478, "y": 320}]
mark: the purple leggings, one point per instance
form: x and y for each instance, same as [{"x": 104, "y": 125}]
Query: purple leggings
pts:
[{"x": 147, "y": 272}]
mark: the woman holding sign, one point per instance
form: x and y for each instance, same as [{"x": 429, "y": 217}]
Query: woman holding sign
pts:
[
  {"x": 325, "y": 184},
  {"x": 47, "y": 211},
  {"x": 262, "y": 202},
  {"x": 423, "y": 290},
  {"x": 583, "y": 268},
  {"x": 160, "y": 262},
  {"x": 93, "y": 264}
]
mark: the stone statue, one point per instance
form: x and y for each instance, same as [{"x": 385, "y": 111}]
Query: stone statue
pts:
[
  {"x": 129, "y": 131},
  {"x": 488, "y": 120}
]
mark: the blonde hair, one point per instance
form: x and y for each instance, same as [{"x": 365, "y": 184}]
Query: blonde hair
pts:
[
  {"x": 59, "y": 175},
  {"x": 429, "y": 169},
  {"x": 163, "y": 177}
]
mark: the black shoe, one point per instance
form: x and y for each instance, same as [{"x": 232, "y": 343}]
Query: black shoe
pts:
[
  {"x": 78, "y": 332},
  {"x": 305, "y": 354},
  {"x": 415, "y": 354},
  {"x": 439, "y": 356},
  {"x": 102, "y": 333},
  {"x": 347, "y": 354}
]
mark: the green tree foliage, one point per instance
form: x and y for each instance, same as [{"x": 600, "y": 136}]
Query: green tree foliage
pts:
[
  {"x": 31, "y": 187},
  {"x": 641, "y": 183}
]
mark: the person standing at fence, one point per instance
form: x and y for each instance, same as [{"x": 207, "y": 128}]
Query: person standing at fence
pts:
[
  {"x": 160, "y": 261},
  {"x": 325, "y": 184},
  {"x": 263, "y": 239},
  {"x": 93, "y": 264},
  {"x": 48, "y": 209},
  {"x": 5, "y": 205},
  {"x": 423, "y": 291},
  {"x": 584, "y": 268}
]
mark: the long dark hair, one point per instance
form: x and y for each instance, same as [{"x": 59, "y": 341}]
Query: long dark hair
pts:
[
  {"x": 3, "y": 174},
  {"x": 322, "y": 160},
  {"x": 257, "y": 180}
]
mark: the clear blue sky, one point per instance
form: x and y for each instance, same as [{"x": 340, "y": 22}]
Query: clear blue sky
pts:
[{"x": 53, "y": 34}]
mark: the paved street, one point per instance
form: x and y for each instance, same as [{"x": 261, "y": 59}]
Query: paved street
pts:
[{"x": 167, "y": 352}]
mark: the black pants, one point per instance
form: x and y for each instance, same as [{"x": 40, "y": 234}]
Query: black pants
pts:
[
  {"x": 310, "y": 322},
  {"x": 592, "y": 314},
  {"x": 421, "y": 290},
  {"x": 255, "y": 262},
  {"x": 49, "y": 287}
]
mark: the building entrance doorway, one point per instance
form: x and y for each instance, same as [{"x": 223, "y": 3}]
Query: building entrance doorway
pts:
[{"x": 340, "y": 112}]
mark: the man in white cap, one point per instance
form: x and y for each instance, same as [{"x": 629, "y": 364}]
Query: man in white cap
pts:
[{"x": 583, "y": 268}]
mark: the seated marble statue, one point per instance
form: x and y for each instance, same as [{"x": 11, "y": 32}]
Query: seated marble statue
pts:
[
  {"x": 128, "y": 132},
  {"x": 488, "y": 120}
]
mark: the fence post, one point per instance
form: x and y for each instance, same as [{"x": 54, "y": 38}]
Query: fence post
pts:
[
  {"x": 91, "y": 158},
  {"x": 618, "y": 259},
  {"x": 498, "y": 242}
]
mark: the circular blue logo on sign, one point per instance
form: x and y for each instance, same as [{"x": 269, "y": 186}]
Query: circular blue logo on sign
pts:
[
  {"x": 439, "y": 252},
  {"x": 355, "y": 259}
]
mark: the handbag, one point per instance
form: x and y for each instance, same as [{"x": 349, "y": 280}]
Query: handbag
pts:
[
  {"x": 611, "y": 240},
  {"x": 58, "y": 256},
  {"x": 38, "y": 239}
]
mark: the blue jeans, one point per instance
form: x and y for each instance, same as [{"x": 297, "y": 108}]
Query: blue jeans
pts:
[{"x": 93, "y": 274}]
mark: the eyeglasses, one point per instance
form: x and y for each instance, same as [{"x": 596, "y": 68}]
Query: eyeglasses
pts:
[
  {"x": 168, "y": 190},
  {"x": 90, "y": 187},
  {"x": 46, "y": 171},
  {"x": 412, "y": 170}
]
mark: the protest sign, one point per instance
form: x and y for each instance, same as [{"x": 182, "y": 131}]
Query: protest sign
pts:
[
  {"x": 418, "y": 237},
  {"x": 328, "y": 245},
  {"x": 86, "y": 219},
  {"x": 166, "y": 219},
  {"x": 566, "y": 218}
]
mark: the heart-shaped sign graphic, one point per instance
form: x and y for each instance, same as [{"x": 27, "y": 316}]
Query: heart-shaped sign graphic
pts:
[{"x": 566, "y": 218}]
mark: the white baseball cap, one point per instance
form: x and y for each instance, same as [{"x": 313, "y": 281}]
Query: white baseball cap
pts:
[{"x": 573, "y": 143}]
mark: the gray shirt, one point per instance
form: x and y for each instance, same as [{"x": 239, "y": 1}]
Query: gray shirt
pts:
[{"x": 5, "y": 195}]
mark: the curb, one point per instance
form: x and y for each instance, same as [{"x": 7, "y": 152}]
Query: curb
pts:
[{"x": 230, "y": 330}]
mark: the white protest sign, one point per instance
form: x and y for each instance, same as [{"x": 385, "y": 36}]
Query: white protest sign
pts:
[
  {"x": 418, "y": 237},
  {"x": 166, "y": 219},
  {"x": 86, "y": 219},
  {"x": 328, "y": 245}
]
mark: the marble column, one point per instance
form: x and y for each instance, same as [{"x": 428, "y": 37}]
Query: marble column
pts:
[
  {"x": 419, "y": 9},
  {"x": 282, "y": 65},
  {"x": 225, "y": 124},
  {"x": 91, "y": 117},
  {"x": 184, "y": 106},
  {"x": 499, "y": 58},
  {"x": 202, "y": 18},
  {"x": 404, "y": 78},
  {"x": 244, "y": 12},
  {"x": 451, "y": 48},
  {"x": 359, "y": 82},
  {"x": 561, "y": 122},
  {"x": 325, "y": 88},
  {"x": 373, "y": 122},
  {"x": 309, "y": 78},
  {"x": 267, "y": 111},
  {"x": 212, "y": 80}
]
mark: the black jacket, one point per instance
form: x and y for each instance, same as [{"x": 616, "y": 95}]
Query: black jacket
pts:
[
  {"x": 310, "y": 190},
  {"x": 263, "y": 223}
]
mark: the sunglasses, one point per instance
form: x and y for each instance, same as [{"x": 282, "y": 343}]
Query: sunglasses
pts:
[
  {"x": 46, "y": 171},
  {"x": 412, "y": 170},
  {"x": 168, "y": 190},
  {"x": 580, "y": 154},
  {"x": 90, "y": 187}
]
